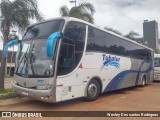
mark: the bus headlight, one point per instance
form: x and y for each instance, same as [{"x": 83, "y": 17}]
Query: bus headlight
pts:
[{"x": 44, "y": 87}]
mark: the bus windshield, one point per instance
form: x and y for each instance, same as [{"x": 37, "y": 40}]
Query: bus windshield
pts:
[
  {"x": 43, "y": 29},
  {"x": 32, "y": 60},
  {"x": 156, "y": 62}
]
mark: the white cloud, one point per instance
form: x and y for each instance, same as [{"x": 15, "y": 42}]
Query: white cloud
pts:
[
  {"x": 50, "y": 8},
  {"x": 123, "y": 15}
]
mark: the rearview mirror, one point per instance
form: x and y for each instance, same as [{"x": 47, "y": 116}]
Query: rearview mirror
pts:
[
  {"x": 8, "y": 44},
  {"x": 50, "y": 45}
]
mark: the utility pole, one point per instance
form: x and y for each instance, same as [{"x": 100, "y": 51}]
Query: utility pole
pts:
[
  {"x": 3, "y": 61},
  {"x": 73, "y": 1}
]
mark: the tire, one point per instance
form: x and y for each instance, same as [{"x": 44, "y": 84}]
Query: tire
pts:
[
  {"x": 143, "y": 83},
  {"x": 93, "y": 90}
]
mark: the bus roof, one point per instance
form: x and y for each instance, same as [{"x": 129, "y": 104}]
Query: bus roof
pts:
[{"x": 67, "y": 19}]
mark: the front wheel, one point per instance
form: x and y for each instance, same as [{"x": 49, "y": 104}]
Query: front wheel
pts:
[{"x": 93, "y": 90}]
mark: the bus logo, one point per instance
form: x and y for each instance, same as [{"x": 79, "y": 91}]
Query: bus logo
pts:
[{"x": 110, "y": 61}]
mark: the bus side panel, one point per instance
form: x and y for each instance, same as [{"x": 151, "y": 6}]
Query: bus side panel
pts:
[
  {"x": 143, "y": 68},
  {"x": 70, "y": 86},
  {"x": 93, "y": 65},
  {"x": 146, "y": 69},
  {"x": 132, "y": 77},
  {"x": 114, "y": 71}
]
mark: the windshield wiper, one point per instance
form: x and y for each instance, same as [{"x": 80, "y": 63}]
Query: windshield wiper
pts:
[
  {"x": 32, "y": 59},
  {"x": 24, "y": 58}
]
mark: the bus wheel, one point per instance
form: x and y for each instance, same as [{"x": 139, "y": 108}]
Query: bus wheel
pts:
[
  {"x": 143, "y": 81},
  {"x": 93, "y": 90}
]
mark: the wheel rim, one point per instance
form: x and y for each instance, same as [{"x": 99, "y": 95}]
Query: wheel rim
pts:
[
  {"x": 143, "y": 82},
  {"x": 92, "y": 90}
]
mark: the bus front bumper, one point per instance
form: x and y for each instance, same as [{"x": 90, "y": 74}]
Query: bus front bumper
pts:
[
  {"x": 42, "y": 95},
  {"x": 157, "y": 77}
]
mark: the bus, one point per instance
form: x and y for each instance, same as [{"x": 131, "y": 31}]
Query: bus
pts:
[
  {"x": 157, "y": 67},
  {"x": 66, "y": 58}
]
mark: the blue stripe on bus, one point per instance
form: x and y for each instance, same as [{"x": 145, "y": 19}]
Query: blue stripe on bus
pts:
[
  {"x": 149, "y": 69},
  {"x": 118, "y": 79}
]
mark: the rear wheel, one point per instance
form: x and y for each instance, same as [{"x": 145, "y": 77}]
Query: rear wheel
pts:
[
  {"x": 93, "y": 90},
  {"x": 143, "y": 81}
]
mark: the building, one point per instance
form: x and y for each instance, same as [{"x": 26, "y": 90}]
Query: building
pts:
[
  {"x": 150, "y": 34},
  {"x": 11, "y": 55},
  {"x": 10, "y": 61}
]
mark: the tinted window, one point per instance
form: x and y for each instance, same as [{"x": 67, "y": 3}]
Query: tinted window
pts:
[
  {"x": 156, "y": 62},
  {"x": 44, "y": 29},
  {"x": 105, "y": 42},
  {"x": 67, "y": 55},
  {"x": 139, "y": 52},
  {"x": 66, "y": 58},
  {"x": 75, "y": 31},
  {"x": 112, "y": 44},
  {"x": 96, "y": 40},
  {"x": 72, "y": 47}
]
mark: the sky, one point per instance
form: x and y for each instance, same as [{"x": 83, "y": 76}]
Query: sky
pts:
[{"x": 122, "y": 15}]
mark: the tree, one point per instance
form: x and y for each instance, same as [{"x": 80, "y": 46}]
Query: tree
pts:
[
  {"x": 15, "y": 13},
  {"x": 133, "y": 36},
  {"x": 84, "y": 11},
  {"x": 157, "y": 51},
  {"x": 113, "y": 30}
]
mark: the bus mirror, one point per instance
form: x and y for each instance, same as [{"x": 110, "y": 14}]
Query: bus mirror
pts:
[
  {"x": 10, "y": 43},
  {"x": 50, "y": 45}
]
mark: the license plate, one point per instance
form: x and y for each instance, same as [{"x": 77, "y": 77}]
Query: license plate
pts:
[{"x": 25, "y": 93}]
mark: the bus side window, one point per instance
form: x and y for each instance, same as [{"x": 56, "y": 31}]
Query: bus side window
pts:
[
  {"x": 66, "y": 58},
  {"x": 72, "y": 47},
  {"x": 76, "y": 32}
]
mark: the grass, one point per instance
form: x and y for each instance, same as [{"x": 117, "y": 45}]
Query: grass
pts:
[
  {"x": 9, "y": 76},
  {"x": 6, "y": 91}
]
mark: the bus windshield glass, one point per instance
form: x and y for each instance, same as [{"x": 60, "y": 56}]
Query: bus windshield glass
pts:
[
  {"x": 32, "y": 59},
  {"x": 44, "y": 29},
  {"x": 156, "y": 62}
]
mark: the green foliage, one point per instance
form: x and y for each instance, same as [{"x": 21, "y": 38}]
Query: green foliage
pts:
[
  {"x": 17, "y": 13},
  {"x": 84, "y": 11},
  {"x": 11, "y": 37},
  {"x": 113, "y": 30},
  {"x": 6, "y": 91},
  {"x": 157, "y": 51}
]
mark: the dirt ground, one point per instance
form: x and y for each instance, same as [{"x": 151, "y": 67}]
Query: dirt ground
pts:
[{"x": 131, "y": 99}]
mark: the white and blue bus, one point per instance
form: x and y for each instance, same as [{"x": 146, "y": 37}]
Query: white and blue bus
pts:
[
  {"x": 157, "y": 67},
  {"x": 66, "y": 58}
]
